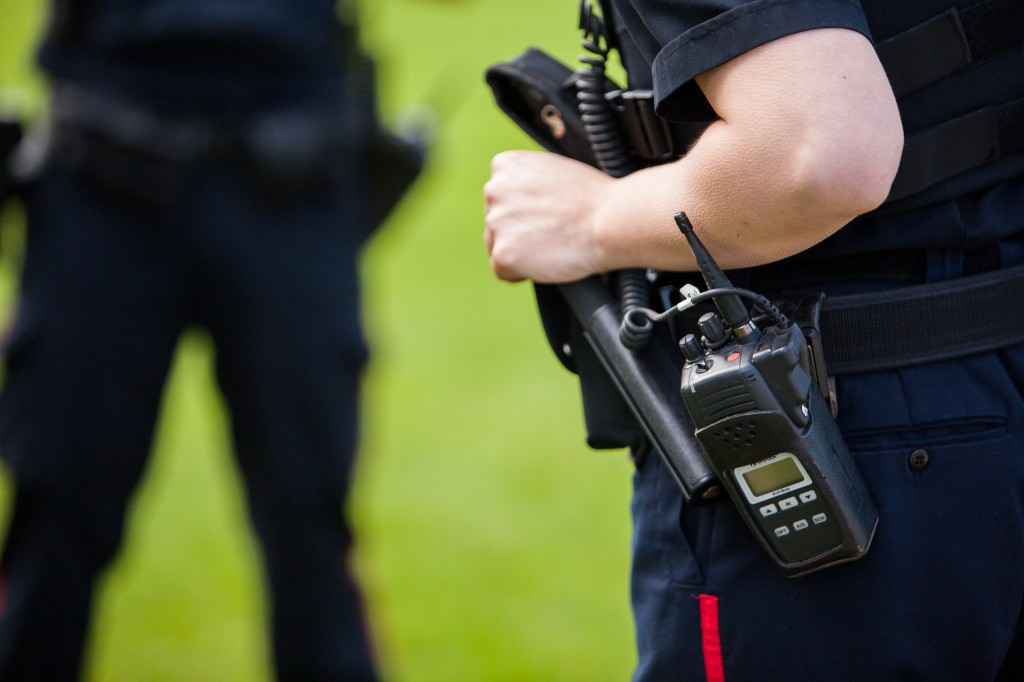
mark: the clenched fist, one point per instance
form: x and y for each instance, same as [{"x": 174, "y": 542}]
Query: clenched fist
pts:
[{"x": 540, "y": 217}]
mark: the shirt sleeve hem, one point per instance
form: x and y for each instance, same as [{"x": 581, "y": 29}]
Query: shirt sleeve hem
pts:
[{"x": 737, "y": 31}]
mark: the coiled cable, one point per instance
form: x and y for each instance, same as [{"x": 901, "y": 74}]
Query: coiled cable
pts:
[{"x": 613, "y": 158}]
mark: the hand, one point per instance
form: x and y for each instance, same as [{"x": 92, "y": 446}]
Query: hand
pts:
[{"x": 540, "y": 217}]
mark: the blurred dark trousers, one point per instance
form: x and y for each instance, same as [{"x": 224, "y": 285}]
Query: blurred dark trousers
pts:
[{"x": 109, "y": 285}]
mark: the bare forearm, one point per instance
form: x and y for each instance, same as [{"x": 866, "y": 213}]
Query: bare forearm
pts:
[{"x": 748, "y": 210}]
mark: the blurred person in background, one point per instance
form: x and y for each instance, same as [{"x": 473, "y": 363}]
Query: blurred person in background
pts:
[
  {"x": 851, "y": 147},
  {"x": 213, "y": 164}
]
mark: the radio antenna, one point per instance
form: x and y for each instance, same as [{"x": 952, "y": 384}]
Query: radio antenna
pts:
[{"x": 732, "y": 308}]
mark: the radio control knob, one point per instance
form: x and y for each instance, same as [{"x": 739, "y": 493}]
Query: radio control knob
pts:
[
  {"x": 711, "y": 326},
  {"x": 691, "y": 348}
]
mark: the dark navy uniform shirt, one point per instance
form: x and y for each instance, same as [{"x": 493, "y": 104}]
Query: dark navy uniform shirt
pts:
[
  {"x": 183, "y": 53},
  {"x": 665, "y": 43}
]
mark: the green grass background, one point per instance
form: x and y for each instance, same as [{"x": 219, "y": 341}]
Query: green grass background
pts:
[{"x": 492, "y": 545}]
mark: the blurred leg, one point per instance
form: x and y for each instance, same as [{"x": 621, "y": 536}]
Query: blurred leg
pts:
[
  {"x": 285, "y": 321},
  {"x": 85, "y": 365}
]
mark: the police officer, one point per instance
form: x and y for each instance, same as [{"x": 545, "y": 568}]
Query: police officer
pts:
[
  {"x": 204, "y": 168},
  {"x": 798, "y": 183}
]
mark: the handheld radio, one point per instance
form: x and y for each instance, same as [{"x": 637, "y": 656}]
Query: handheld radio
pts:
[{"x": 766, "y": 429}]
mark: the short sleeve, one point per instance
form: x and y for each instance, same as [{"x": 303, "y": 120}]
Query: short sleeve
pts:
[{"x": 684, "y": 38}]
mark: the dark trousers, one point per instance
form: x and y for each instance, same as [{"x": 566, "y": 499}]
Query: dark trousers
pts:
[
  {"x": 109, "y": 285},
  {"x": 939, "y": 595}
]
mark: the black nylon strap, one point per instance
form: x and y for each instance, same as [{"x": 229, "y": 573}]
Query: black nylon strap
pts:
[
  {"x": 923, "y": 323},
  {"x": 949, "y": 42},
  {"x": 933, "y": 50},
  {"x": 993, "y": 28},
  {"x": 911, "y": 60},
  {"x": 957, "y": 146}
]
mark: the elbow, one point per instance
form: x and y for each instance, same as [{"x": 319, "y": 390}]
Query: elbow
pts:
[
  {"x": 863, "y": 179},
  {"x": 853, "y": 173}
]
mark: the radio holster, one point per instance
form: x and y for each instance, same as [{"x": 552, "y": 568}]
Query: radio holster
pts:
[{"x": 539, "y": 94}]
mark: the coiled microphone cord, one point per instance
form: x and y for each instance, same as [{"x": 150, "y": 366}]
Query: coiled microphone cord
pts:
[{"x": 612, "y": 158}]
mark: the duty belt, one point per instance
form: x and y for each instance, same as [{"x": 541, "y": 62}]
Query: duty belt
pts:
[
  {"x": 922, "y": 323},
  {"x": 289, "y": 153}
]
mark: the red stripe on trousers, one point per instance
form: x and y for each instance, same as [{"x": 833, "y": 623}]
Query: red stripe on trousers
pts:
[{"x": 711, "y": 640}]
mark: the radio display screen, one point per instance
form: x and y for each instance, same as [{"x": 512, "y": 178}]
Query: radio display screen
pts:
[{"x": 778, "y": 474}]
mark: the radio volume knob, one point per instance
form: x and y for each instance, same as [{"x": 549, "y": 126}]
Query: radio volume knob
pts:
[
  {"x": 714, "y": 333},
  {"x": 692, "y": 350}
]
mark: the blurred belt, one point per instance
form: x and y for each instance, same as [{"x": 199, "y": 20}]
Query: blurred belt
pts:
[{"x": 147, "y": 153}]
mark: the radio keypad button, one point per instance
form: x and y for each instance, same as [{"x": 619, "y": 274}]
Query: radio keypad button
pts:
[
  {"x": 769, "y": 509},
  {"x": 801, "y": 524},
  {"x": 819, "y": 518},
  {"x": 781, "y": 530},
  {"x": 788, "y": 503},
  {"x": 809, "y": 496}
]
